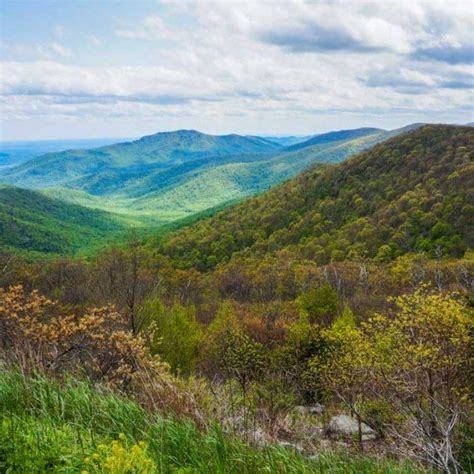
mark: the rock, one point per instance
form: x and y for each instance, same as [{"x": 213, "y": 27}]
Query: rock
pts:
[
  {"x": 347, "y": 426},
  {"x": 301, "y": 410},
  {"x": 314, "y": 431},
  {"x": 291, "y": 446},
  {"x": 258, "y": 436},
  {"x": 316, "y": 409}
]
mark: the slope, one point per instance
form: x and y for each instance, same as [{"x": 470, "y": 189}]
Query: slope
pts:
[
  {"x": 412, "y": 193},
  {"x": 129, "y": 158},
  {"x": 170, "y": 176},
  {"x": 31, "y": 222}
]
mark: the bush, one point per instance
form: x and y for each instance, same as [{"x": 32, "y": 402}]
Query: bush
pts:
[{"x": 319, "y": 304}]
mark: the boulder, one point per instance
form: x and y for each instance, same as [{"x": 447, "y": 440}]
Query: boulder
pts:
[
  {"x": 291, "y": 446},
  {"x": 316, "y": 409},
  {"x": 347, "y": 426}
]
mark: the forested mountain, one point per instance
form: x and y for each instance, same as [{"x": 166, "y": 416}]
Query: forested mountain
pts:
[
  {"x": 14, "y": 153},
  {"x": 136, "y": 158},
  {"x": 167, "y": 176},
  {"x": 32, "y": 222},
  {"x": 332, "y": 137},
  {"x": 412, "y": 193}
]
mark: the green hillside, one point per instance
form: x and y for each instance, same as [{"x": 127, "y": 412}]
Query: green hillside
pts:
[
  {"x": 411, "y": 193},
  {"x": 169, "y": 176},
  {"x": 331, "y": 137},
  {"x": 31, "y": 222},
  {"x": 114, "y": 164}
]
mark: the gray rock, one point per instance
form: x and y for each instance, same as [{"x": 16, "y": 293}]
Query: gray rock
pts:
[
  {"x": 316, "y": 409},
  {"x": 301, "y": 410},
  {"x": 258, "y": 436},
  {"x": 291, "y": 446},
  {"x": 346, "y": 425}
]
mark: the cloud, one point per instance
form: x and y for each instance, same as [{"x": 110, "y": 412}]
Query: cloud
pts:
[
  {"x": 279, "y": 61},
  {"x": 94, "y": 40},
  {"x": 53, "y": 50},
  {"x": 152, "y": 27},
  {"x": 463, "y": 54}
]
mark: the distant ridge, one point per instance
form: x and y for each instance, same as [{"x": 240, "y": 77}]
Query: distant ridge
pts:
[
  {"x": 167, "y": 176},
  {"x": 330, "y": 137},
  {"x": 32, "y": 222}
]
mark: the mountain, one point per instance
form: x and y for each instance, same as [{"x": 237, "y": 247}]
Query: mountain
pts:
[
  {"x": 338, "y": 136},
  {"x": 134, "y": 158},
  {"x": 31, "y": 222},
  {"x": 287, "y": 140},
  {"x": 412, "y": 193},
  {"x": 173, "y": 175},
  {"x": 14, "y": 153}
]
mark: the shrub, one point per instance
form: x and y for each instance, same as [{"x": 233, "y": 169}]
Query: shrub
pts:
[
  {"x": 319, "y": 304},
  {"x": 121, "y": 457},
  {"x": 97, "y": 342}
]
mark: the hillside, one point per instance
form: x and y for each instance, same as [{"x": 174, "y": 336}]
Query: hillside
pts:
[
  {"x": 173, "y": 175},
  {"x": 338, "y": 136},
  {"x": 15, "y": 153},
  {"x": 133, "y": 159},
  {"x": 32, "y": 222},
  {"x": 412, "y": 193}
]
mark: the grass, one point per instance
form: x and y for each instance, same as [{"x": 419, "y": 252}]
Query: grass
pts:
[{"x": 48, "y": 426}]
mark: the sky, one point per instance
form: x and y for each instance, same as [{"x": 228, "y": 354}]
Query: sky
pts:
[{"x": 114, "y": 68}]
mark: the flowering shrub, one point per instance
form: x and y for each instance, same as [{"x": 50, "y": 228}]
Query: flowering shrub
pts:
[
  {"x": 121, "y": 458},
  {"x": 97, "y": 342}
]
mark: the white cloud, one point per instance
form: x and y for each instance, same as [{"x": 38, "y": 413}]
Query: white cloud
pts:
[
  {"x": 53, "y": 50},
  {"x": 292, "y": 59}
]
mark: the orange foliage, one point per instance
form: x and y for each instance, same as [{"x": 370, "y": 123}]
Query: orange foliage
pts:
[{"x": 97, "y": 342}]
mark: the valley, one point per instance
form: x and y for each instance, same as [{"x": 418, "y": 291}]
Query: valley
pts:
[{"x": 167, "y": 177}]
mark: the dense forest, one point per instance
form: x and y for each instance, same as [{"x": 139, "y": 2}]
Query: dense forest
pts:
[
  {"x": 168, "y": 176},
  {"x": 322, "y": 326},
  {"x": 34, "y": 224},
  {"x": 402, "y": 196}
]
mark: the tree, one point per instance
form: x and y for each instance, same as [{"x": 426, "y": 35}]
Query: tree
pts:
[
  {"x": 174, "y": 334},
  {"x": 422, "y": 361},
  {"x": 319, "y": 304},
  {"x": 345, "y": 370}
]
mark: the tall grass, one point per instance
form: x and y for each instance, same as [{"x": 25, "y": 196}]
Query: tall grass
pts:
[{"x": 48, "y": 426}]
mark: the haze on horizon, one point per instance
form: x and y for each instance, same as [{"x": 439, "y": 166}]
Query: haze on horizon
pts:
[{"x": 84, "y": 69}]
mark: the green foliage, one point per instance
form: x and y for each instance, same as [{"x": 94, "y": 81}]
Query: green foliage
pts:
[
  {"x": 244, "y": 359},
  {"x": 345, "y": 319},
  {"x": 303, "y": 343},
  {"x": 409, "y": 194},
  {"x": 30, "y": 221},
  {"x": 320, "y": 305},
  {"x": 175, "y": 334},
  {"x": 120, "y": 457},
  {"x": 169, "y": 176},
  {"x": 51, "y": 427}
]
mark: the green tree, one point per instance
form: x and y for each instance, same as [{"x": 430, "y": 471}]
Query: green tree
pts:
[
  {"x": 174, "y": 334},
  {"x": 320, "y": 305}
]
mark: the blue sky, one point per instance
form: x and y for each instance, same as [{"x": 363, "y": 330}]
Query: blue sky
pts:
[{"x": 83, "y": 68}]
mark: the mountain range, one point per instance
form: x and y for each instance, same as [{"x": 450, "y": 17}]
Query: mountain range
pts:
[
  {"x": 411, "y": 193},
  {"x": 173, "y": 175}
]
